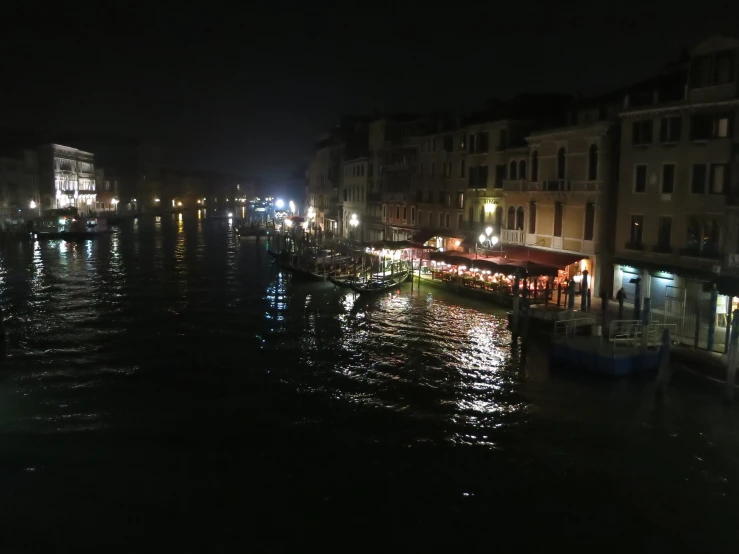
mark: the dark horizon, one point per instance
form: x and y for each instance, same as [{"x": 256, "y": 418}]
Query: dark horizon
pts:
[{"x": 250, "y": 94}]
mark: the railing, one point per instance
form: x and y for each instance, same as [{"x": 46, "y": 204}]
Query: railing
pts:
[
  {"x": 623, "y": 331},
  {"x": 634, "y": 246},
  {"x": 695, "y": 253},
  {"x": 630, "y": 332},
  {"x": 512, "y": 236},
  {"x": 551, "y": 185},
  {"x": 732, "y": 260},
  {"x": 516, "y": 186},
  {"x": 662, "y": 249},
  {"x": 568, "y": 328}
]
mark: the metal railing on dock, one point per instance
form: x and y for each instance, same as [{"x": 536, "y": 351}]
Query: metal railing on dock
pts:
[
  {"x": 568, "y": 328},
  {"x": 630, "y": 332}
]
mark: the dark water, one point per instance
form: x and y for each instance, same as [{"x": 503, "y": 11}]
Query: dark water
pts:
[{"x": 167, "y": 389}]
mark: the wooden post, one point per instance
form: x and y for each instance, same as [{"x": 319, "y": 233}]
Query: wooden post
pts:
[
  {"x": 697, "y": 324},
  {"x": 516, "y": 304},
  {"x": 664, "y": 374},
  {"x": 728, "y": 325},
  {"x": 712, "y": 319},
  {"x": 559, "y": 294},
  {"x": 637, "y": 298},
  {"x": 412, "y": 270},
  {"x": 583, "y": 291},
  {"x": 731, "y": 373},
  {"x": 571, "y": 296},
  {"x": 645, "y": 323},
  {"x": 603, "y": 309},
  {"x": 525, "y": 323}
]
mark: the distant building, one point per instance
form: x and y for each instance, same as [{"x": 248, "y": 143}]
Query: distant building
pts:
[
  {"x": 678, "y": 199},
  {"x": 354, "y": 190},
  {"x": 107, "y": 189},
  {"x": 19, "y": 186},
  {"x": 325, "y": 172},
  {"x": 67, "y": 178}
]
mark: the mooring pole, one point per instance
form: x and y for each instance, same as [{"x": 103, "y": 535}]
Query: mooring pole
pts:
[
  {"x": 663, "y": 377},
  {"x": 731, "y": 373}
]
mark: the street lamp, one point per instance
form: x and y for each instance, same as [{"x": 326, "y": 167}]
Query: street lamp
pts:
[
  {"x": 115, "y": 204},
  {"x": 489, "y": 231},
  {"x": 353, "y": 221},
  {"x": 32, "y": 205},
  {"x": 292, "y": 206},
  {"x": 279, "y": 203}
]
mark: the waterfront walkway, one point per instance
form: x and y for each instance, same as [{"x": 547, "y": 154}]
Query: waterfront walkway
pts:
[{"x": 701, "y": 361}]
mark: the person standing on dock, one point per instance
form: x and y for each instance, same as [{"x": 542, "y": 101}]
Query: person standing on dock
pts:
[{"x": 621, "y": 297}]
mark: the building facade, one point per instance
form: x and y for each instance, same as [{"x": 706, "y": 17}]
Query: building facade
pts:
[
  {"x": 558, "y": 196},
  {"x": 678, "y": 197},
  {"x": 67, "y": 178},
  {"x": 19, "y": 187},
  {"x": 353, "y": 198},
  {"x": 324, "y": 174}
]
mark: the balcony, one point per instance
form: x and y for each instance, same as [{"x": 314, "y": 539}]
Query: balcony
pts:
[
  {"x": 374, "y": 197},
  {"x": 634, "y": 246},
  {"x": 552, "y": 185},
  {"x": 516, "y": 186},
  {"x": 662, "y": 249},
  {"x": 395, "y": 197},
  {"x": 698, "y": 253},
  {"x": 513, "y": 236}
]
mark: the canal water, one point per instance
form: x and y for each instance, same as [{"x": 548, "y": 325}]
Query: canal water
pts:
[{"x": 167, "y": 388}]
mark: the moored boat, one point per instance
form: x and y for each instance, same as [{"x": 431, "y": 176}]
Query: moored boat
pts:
[
  {"x": 68, "y": 224},
  {"x": 381, "y": 285}
]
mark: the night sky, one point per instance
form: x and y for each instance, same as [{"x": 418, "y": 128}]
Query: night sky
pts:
[{"x": 247, "y": 93}]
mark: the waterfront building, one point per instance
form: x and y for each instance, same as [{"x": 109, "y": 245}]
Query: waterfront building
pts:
[
  {"x": 19, "y": 186},
  {"x": 441, "y": 191},
  {"x": 374, "y": 226},
  {"x": 325, "y": 171},
  {"x": 559, "y": 195},
  {"x": 107, "y": 191},
  {"x": 67, "y": 178},
  {"x": 678, "y": 197},
  {"x": 353, "y": 197},
  {"x": 399, "y": 176}
]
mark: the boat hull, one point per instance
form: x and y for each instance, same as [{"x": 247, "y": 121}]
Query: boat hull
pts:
[{"x": 368, "y": 288}]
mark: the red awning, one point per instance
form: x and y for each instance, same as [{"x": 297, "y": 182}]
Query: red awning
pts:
[{"x": 540, "y": 257}]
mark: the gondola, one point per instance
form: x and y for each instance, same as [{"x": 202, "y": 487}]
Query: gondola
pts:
[
  {"x": 375, "y": 285},
  {"x": 344, "y": 281}
]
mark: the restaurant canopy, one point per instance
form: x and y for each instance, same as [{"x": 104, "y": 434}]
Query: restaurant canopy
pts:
[
  {"x": 395, "y": 245},
  {"x": 495, "y": 263},
  {"x": 536, "y": 255}
]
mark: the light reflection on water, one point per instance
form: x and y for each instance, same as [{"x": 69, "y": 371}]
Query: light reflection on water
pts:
[{"x": 172, "y": 330}]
